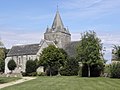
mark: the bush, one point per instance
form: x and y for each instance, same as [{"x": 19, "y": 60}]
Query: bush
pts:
[
  {"x": 2, "y": 65},
  {"x": 115, "y": 70},
  {"x": 107, "y": 71},
  {"x": 41, "y": 74},
  {"x": 24, "y": 73},
  {"x": 11, "y": 65},
  {"x": 30, "y": 66},
  {"x": 32, "y": 74},
  {"x": 70, "y": 68}
]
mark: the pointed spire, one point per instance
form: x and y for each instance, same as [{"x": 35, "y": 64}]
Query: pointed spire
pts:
[
  {"x": 57, "y": 23},
  {"x": 57, "y": 8},
  {"x": 47, "y": 29}
]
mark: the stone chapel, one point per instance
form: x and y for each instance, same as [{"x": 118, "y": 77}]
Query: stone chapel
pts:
[{"x": 57, "y": 35}]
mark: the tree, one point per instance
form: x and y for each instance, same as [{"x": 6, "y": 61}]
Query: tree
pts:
[
  {"x": 116, "y": 52},
  {"x": 70, "y": 68},
  {"x": 11, "y": 65},
  {"x": 89, "y": 50},
  {"x": 2, "y": 59},
  {"x": 31, "y": 66},
  {"x": 52, "y": 57}
]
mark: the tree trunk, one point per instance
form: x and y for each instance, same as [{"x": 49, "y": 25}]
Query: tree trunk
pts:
[
  {"x": 59, "y": 72},
  {"x": 88, "y": 70},
  {"x": 50, "y": 72}
]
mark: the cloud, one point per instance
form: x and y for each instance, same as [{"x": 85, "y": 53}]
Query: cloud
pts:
[
  {"x": 75, "y": 36},
  {"x": 89, "y": 8},
  {"x": 14, "y": 38}
]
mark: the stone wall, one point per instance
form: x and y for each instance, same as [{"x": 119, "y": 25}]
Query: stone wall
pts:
[{"x": 60, "y": 39}]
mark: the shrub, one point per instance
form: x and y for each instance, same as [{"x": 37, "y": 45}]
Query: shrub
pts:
[
  {"x": 2, "y": 65},
  {"x": 30, "y": 66},
  {"x": 115, "y": 70},
  {"x": 41, "y": 74},
  {"x": 70, "y": 68},
  {"x": 11, "y": 65},
  {"x": 32, "y": 74},
  {"x": 107, "y": 71}
]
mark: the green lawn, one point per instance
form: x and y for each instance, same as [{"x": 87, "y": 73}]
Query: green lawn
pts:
[
  {"x": 68, "y": 83},
  {"x": 7, "y": 79}
]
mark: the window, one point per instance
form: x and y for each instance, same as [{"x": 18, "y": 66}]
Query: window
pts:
[
  {"x": 29, "y": 58},
  {"x": 19, "y": 61}
]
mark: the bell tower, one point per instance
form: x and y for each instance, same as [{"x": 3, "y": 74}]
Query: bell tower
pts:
[{"x": 58, "y": 33}]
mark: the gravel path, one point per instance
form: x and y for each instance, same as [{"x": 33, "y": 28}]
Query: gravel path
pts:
[{"x": 16, "y": 82}]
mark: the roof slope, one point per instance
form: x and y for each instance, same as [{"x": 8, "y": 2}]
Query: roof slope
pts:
[
  {"x": 31, "y": 49},
  {"x": 71, "y": 48}
]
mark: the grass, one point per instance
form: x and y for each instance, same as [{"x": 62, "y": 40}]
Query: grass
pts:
[
  {"x": 68, "y": 83},
  {"x": 7, "y": 79}
]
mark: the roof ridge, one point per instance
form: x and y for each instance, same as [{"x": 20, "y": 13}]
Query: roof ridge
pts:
[{"x": 25, "y": 44}]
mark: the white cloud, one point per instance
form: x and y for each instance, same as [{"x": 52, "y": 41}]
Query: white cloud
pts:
[
  {"x": 89, "y": 8},
  {"x": 14, "y": 38}
]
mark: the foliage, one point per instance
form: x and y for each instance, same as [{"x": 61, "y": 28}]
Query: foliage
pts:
[
  {"x": 32, "y": 74},
  {"x": 89, "y": 50},
  {"x": 41, "y": 74},
  {"x": 107, "y": 71},
  {"x": 115, "y": 70},
  {"x": 1, "y": 44},
  {"x": 11, "y": 65},
  {"x": 2, "y": 58},
  {"x": 52, "y": 57},
  {"x": 70, "y": 68},
  {"x": 30, "y": 66},
  {"x": 117, "y": 52},
  {"x": 2, "y": 65}
]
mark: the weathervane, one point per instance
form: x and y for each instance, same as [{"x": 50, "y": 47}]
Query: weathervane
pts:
[{"x": 57, "y": 7}]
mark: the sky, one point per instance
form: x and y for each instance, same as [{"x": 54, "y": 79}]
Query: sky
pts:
[{"x": 25, "y": 21}]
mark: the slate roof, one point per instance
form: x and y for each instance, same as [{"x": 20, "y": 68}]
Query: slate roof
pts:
[
  {"x": 30, "y": 49},
  {"x": 71, "y": 48}
]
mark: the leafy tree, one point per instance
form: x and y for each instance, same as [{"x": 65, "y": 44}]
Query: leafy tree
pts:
[
  {"x": 11, "y": 65},
  {"x": 2, "y": 59},
  {"x": 70, "y": 68},
  {"x": 116, "y": 52},
  {"x": 52, "y": 57},
  {"x": 89, "y": 50},
  {"x": 31, "y": 66}
]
